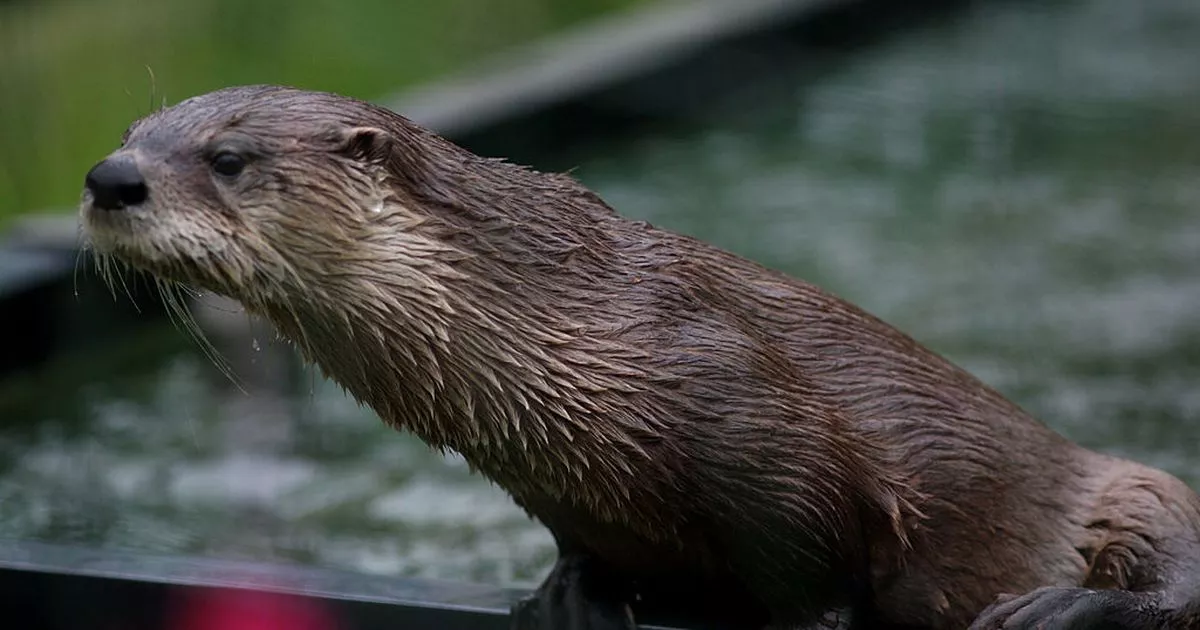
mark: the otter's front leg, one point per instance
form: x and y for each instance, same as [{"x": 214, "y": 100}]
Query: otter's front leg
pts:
[{"x": 577, "y": 595}]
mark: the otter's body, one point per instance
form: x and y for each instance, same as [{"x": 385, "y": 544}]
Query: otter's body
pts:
[{"x": 707, "y": 439}]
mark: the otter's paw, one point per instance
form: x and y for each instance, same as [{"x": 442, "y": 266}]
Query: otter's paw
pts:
[
  {"x": 573, "y": 597},
  {"x": 1063, "y": 608}
]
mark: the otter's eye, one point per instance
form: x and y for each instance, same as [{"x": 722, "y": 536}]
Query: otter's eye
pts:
[{"x": 228, "y": 164}]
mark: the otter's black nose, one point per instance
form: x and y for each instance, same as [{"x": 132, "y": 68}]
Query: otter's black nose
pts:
[{"x": 116, "y": 183}]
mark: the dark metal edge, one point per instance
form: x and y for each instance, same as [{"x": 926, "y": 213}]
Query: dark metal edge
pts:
[{"x": 36, "y": 579}]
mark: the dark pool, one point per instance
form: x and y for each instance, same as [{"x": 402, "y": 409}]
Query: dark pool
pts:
[{"x": 1019, "y": 189}]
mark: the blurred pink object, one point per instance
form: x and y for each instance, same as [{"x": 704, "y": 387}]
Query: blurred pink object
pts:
[{"x": 239, "y": 609}]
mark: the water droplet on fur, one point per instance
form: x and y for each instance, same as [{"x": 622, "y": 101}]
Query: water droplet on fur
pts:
[
  {"x": 378, "y": 207},
  {"x": 254, "y": 344}
]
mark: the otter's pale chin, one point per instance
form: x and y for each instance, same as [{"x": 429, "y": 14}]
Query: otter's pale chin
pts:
[
  {"x": 113, "y": 235},
  {"x": 104, "y": 230}
]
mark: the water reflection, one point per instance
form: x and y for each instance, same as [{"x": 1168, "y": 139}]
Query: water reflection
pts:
[{"x": 1019, "y": 190}]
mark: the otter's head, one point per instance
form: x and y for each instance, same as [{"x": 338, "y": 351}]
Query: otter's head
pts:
[{"x": 245, "y": 191}]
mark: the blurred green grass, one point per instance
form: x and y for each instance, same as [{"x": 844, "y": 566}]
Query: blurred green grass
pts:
[{"x": 75, "y": 73}]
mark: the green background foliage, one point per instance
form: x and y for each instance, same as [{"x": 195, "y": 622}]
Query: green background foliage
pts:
[{"x": 75, "y": 73}]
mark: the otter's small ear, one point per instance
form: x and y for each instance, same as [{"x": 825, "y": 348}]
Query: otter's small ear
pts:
[{"x": 369, "y": 144}]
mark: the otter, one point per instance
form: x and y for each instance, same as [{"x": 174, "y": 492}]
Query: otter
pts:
[{"x": 708, "y": 440}]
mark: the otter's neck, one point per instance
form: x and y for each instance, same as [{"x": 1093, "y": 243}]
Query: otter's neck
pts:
[{"x": 443, "y": 343}]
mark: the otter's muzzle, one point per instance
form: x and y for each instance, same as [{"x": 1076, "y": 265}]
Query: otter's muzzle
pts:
[{"x": 116, "y": 183}]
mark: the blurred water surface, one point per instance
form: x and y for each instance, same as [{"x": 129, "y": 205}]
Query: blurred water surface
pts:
[{"x": 1018, "y": 189}]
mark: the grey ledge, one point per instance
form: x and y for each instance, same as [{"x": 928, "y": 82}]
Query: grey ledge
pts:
[{"x": 598, "y": 54}]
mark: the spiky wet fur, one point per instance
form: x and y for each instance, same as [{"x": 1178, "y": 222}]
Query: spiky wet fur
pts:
[{"x": 691, "y": 418}]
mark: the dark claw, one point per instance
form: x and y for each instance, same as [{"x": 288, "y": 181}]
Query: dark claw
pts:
[
  {"x": 573, "y": 597},
  {"x": 1068, "y": 608}
]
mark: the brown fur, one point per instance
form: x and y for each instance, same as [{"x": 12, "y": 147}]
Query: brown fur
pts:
[{"x": 706, "y": 426}]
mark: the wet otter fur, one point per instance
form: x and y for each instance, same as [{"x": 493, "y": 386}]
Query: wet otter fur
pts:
[{"x": 708, "y": 440}]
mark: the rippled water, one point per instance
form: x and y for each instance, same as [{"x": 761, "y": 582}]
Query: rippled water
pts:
[{"x": 1020, "y": 190}]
